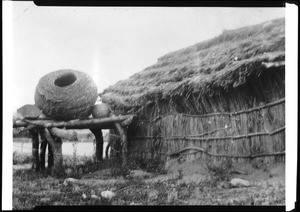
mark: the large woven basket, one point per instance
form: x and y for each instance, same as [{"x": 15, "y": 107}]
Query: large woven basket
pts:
[{"x": 66, "y": 95}]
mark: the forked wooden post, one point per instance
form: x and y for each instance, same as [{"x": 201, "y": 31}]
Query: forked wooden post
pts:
[
  {"x": 56, "y": 145},
  {"x": 99, "y": 143},
  {"x": 123, "y": 136},
  {"x": 43, "y": 147}
]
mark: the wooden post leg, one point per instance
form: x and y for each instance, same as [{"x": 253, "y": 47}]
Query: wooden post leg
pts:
[
  {"x": 106, "y": 150},
  {"x": 99, "y": 143},
  {"x": 44, "y": 144},
  {"x": 123, "y": 136},
  {"x": 56, "y": 145},
  {"x": 42, "y": 154},
  {"x": 42, "y": 149},
  {"x": 50, "y": 157},
  {"x": 57, "y": 156},
  {"x": 35, "y": 149}
]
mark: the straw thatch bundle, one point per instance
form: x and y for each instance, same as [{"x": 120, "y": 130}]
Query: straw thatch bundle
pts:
[
  {"x": 180, "y": 79},
  {"x": 66, "y": 94}
]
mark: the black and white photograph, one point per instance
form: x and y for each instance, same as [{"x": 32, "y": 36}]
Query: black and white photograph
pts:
[{"x": 147, "y": 106}]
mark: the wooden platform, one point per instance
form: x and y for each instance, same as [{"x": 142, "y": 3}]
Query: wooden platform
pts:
[{"x": 52, "y": 132}]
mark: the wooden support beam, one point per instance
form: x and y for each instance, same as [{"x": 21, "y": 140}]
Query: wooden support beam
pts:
[
  {"x": 75, "y": 124},
  {"x": 64, "y": 134},
  {"x": 35, "y": 149},
  {"x": 99, "y": 143}
]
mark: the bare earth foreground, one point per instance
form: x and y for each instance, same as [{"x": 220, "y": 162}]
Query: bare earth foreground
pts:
[{"x": 185, "y": 183}]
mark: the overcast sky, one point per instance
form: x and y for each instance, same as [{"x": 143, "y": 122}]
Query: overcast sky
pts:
[{"x": 110, "y": 44}]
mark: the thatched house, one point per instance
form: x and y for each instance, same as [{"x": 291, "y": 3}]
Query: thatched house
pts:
[{"x": 219, "y": 98}]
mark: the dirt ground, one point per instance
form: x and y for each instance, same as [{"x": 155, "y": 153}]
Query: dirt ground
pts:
[{"x": 185, "y": 183}]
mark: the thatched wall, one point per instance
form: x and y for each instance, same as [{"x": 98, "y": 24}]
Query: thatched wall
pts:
[
  {"x": 246, "y": 123},
  {"x": 249, "y": 134}
]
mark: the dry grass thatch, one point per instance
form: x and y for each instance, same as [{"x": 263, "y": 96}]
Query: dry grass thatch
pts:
[{"x": 225, "y": 61}]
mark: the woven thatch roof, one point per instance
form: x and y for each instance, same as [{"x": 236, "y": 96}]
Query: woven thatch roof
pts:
[{"x": 224, "y": 61}]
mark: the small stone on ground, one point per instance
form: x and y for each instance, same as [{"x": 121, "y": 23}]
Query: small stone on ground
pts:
[{"x": 237, "y": 182}]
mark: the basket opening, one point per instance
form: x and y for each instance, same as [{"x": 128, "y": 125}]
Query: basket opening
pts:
[{"x": 65, "y": 80}]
